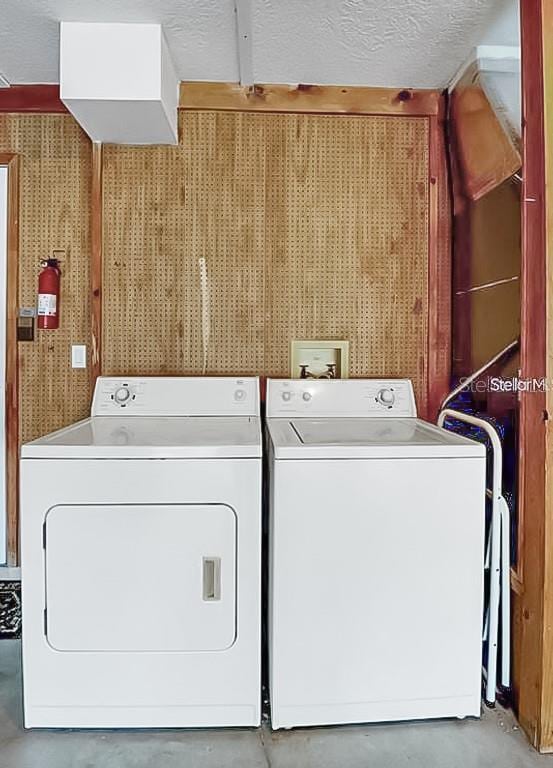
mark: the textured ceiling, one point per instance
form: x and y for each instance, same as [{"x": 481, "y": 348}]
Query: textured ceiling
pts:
[{"x": 418, "y": 43}]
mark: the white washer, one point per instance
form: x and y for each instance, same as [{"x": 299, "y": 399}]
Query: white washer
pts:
[
  {"x": 376, "y": 557},
  {"x": 140, "y": 546}
]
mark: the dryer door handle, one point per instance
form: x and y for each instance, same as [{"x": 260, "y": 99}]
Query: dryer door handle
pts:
[{"x": 211, "y": 581}]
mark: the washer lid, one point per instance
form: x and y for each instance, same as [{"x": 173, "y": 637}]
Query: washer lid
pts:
[
  {"x": 305, "y": 438},
  {"x": 175, "y": 437}
]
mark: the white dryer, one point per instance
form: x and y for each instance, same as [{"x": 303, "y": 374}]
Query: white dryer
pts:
[
  {"x": 376, "y": 537},
  {"x": 140, "y": 547}
]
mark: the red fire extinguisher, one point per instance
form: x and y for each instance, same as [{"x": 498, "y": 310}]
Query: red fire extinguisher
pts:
[{"x": 48, "y": 306}]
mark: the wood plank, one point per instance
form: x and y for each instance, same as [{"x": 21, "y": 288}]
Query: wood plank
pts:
[
  {"x": 542, "y": 534},
  {"x": 31, "y": 98},
  {"x": 486, "y": 155},
  {"x": 531, "y": 679},
  {"x": 326, "y": 99},
  {"x": 96, "y": 243},
  {"x": 439, "y": 267},
  {"x": 12, "y": 372}
]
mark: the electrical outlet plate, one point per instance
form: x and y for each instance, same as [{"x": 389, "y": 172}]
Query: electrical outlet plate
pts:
[{"x": 317, "y": 356}]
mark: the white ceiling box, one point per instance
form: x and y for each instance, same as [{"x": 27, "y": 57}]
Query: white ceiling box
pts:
[{"x": 119, "y": 82}]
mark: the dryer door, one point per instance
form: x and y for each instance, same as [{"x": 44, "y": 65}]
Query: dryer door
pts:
[{"x": 141, "y": 577}]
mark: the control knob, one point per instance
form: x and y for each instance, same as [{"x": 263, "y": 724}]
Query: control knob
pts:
[
  {"x": 122, "y": 395},
  {"x": 386, "y": 397}
]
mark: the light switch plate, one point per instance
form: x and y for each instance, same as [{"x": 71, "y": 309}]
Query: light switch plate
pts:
[
  {"x": 317, "y": 356},
  {"x": 26, "y": 324},
  {"x": 78, "y": 356}
]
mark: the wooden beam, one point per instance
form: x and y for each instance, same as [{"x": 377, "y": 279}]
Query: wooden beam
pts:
[
  {"x": 533, "y": 643},
  {"x": 31, "y": 98},
  {"x": 96, "y": 218},
  {"x": 323, "y": 99},
  {"x": 439, "y": 267},
  {"x": 12, "y": 365},
  {"x": 540, "y": 531}
]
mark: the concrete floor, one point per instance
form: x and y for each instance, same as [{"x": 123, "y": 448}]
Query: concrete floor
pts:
[{"x": 495, "y": 741}]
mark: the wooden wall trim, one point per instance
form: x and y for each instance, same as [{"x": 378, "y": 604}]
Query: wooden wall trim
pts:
[
  {"x": 31, "y": 98},
  {"x": 439, "y": 266},
  {"x": 545, "y": 349},
  {"x": 265, "y": 98},
  {"x": 12, "y": 365},
  {"x": 533, "y": 642},
  {"x": 96, "y": 220},
  {"x": 325, "y": 99}
]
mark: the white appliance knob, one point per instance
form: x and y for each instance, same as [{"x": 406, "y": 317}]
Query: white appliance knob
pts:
[
  {"x": 286, "y": 396},
  {"x": 240, "y": 394},
  {"x": 307, "y": 396},
  {"x": 386, "y": 397},
  {"x": 121, "y": 395}
]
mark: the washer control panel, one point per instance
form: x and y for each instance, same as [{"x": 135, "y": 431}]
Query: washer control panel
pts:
[
  {"x": 340, "y": 397},
  {"x": 176, "y": 396}
]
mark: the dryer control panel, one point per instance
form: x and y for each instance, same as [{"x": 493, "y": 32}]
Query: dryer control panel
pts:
[
  {"x": 340, "y": 397},
  {"x": 176, "y": 396}
]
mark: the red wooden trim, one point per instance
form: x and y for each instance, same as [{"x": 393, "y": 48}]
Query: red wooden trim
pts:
[
  {"x": 533, "y": 350},
  {"x": 529, "y": 631},
  {"x": 31, "y": 98},
  {"x": 439, "y": 267}
]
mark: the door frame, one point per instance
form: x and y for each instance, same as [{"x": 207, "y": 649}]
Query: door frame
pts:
[
  {"x": 532, "y": 582},
  {"x": 11, "y": 162}
]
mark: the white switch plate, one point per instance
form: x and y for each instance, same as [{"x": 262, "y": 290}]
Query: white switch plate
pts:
[{"x": 78, "y": 356}]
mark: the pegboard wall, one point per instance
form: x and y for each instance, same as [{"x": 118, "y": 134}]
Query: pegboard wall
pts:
[
  {"x": 54, "y": 211},
  {"x": 262, "y": 228}
]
